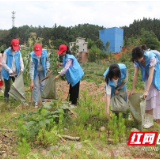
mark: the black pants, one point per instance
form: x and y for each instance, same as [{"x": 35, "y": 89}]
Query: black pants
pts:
[
  {"x": 7, "y": 86},
  {"x": 74, "y": 93}
]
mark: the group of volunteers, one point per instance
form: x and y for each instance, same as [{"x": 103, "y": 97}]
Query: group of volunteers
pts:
[
  {"x": 11, "y": 64},
  {"x": 116, "y": 76}
]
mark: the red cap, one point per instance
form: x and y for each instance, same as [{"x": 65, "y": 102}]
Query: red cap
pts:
[
  {"x": 37, "y": 49},
  {"x": 62, "y": 48},
  {"x": 15, "y": 44}
]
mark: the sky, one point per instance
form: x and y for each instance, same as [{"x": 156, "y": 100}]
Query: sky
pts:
[{"x": 70, "y": 13}]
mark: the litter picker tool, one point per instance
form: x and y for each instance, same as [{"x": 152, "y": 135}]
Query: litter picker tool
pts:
[{"x": 47, "y": 76}]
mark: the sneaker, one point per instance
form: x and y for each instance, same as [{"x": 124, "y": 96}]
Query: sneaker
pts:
[
  {"x": 148, "y": 124},
  {"x": 72, "y": 106},
  {"x": 68, "y": 102},
  {"x": 149, "y": 121},
  {"x": 129, "y": 117},
  {"x": 145, "y": 119},
  {"x": 36, "y": 104}
]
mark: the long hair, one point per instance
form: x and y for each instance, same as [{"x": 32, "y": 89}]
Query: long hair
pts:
[
  {"x": 11, "y": 47},
  {"x": 2, "y": 52},
  {"x": 114, "y": 70},
  {"x": 137, "y": 52},
  {"x": 68, "y": 51}
]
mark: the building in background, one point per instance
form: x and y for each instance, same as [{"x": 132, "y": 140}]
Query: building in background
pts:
[
  {"x": 83, "y": 57},
  {"x": 80, "y": 51},
  {"x": 113, "y": 37}
]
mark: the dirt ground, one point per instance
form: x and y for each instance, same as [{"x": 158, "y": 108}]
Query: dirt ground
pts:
[
  {"x": 122, "y": 150},
  {"x": 119, "y": 151},
  {"x": 91, "y": 87}
]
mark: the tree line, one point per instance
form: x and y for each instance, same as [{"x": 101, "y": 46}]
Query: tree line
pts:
[
  {"x": 139, "y": 32},
  {"x": 56, "y": 34},
  {"x": 143, "y": 31}
]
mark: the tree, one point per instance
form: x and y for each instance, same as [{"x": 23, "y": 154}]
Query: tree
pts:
[
  {"x": 58, "y": 42},
  {"x": 99, "y": 44},
  {"x": 74, "y": 49},
  {"x": 149, "y": 38},
  {"x": 107, "y": 46},
  {"x": 90, "y": 43},
  {"x": 4, "y": 41},
  {"x": 94, "y": 54}
]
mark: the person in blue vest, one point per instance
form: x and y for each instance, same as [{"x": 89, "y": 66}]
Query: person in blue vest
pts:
[
  {"x": 116, "y": 77},
  {"x": 1, "y": 78},
  {"x": 39, "y": 65},
  {"x": 72, "y": 71},
  {"x": 148, "y": 62},
  {"x": 12, "y": 63}
]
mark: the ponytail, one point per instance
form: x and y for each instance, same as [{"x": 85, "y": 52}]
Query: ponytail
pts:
[
  {"x": 68, "y": 51},
  {"x": 144, "y": 47}
]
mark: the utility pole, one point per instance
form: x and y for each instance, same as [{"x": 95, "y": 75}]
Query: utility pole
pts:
[{"x": 13, "y": 17}]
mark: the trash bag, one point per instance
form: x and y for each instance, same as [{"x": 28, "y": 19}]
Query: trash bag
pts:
[
  {"x": 49, "y": 90},
  {"x": 17, "y": 89},
  {"x": 137, "y": 108},
  {"x": 118, "y": 104}
]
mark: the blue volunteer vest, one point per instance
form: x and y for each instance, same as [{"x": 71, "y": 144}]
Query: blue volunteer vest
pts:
[
  {"x": 75, "y": 72},
  {"x": 9, "y": 55},
  {"x": 43, "y": 61},
  {"x": 123, "y": 70},
  {"x": 148, "y": 55}
]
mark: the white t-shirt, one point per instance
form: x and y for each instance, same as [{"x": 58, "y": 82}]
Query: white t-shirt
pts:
[
  {"x": 108, "y": 87},
  {"x": 40, "y": 67},
  {"x": 13, "y": 68}
]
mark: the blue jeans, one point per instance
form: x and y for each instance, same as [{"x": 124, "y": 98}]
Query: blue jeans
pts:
[{"x": 39, "y": 76}]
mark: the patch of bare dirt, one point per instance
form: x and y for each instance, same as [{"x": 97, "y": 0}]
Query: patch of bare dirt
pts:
[
  {"x": 91, "y": 87},
  {"x": 7, "y": 141},
  {"x": 117, "y": 55}
]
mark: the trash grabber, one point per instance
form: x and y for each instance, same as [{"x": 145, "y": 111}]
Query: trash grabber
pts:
[{"x": 46, "y": 76}]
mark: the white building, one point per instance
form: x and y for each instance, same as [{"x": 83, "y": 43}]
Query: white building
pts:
[{"x": 81, "y": 43}]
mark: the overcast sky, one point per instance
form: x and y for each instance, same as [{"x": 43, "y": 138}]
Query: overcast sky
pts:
[{"x": 71, "y": 13}]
